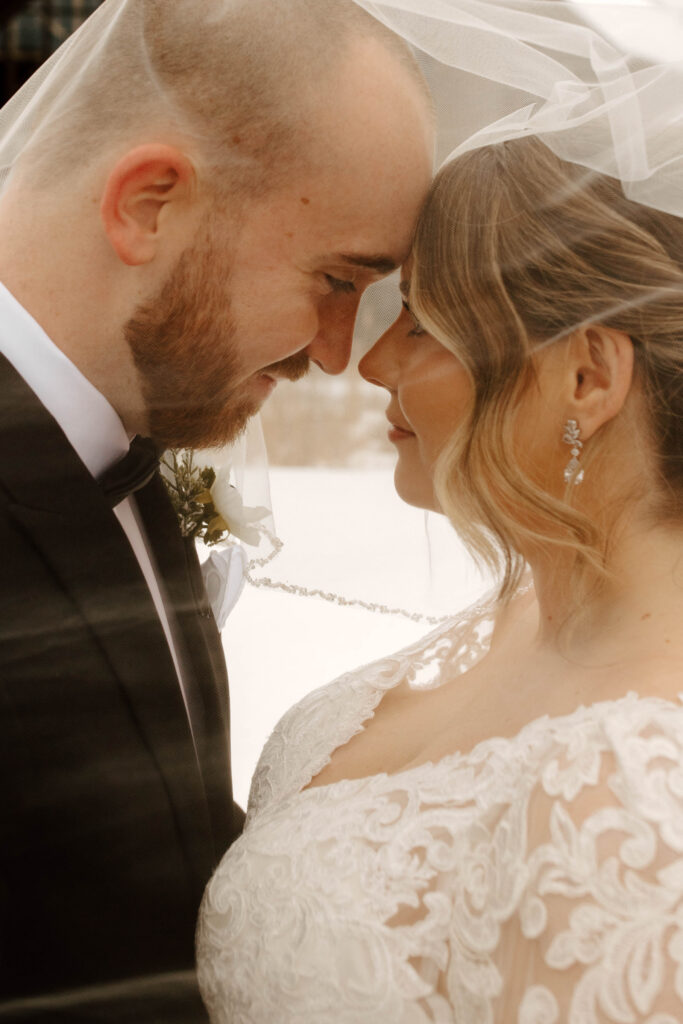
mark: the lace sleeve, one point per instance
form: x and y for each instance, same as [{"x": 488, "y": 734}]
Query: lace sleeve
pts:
[{"x": 599, "y": 932}]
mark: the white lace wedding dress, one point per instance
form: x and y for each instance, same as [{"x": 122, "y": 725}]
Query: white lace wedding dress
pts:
[{"x": 535, "y": 880}]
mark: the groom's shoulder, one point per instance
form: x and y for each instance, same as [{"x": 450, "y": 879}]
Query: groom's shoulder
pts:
[{"x": 39, "y": 468}]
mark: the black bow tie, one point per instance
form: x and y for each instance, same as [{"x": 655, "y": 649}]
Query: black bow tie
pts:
[{"x": 133, "y": 471}]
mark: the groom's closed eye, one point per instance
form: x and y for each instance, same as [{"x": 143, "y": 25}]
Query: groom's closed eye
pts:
[
  {"x": 337, "y": 284},
  {"x": 377, "y": 264}
]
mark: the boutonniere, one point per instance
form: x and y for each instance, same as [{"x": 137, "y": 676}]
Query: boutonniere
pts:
[{"x": 209, "y": 507}]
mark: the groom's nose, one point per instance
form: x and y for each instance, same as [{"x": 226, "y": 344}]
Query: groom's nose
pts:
[{"x": 331, "y": 347}]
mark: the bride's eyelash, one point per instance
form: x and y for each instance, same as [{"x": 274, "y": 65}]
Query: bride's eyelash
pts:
[
  {"x": 337, "y": 284},
  {"x": 418, "y": 329}
]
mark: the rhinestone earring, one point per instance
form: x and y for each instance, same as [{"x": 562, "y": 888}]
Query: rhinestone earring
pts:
[{"x": 573, "y": 472}]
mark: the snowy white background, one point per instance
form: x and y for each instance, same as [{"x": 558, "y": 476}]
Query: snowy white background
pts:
[{"x": 346, "y": 531}]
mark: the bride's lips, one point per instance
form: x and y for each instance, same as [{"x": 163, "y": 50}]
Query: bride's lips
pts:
[{"x": 398, "y": 432}]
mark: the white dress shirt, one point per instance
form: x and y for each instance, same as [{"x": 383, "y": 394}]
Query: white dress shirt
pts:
[{"x": 90, "y": 424}]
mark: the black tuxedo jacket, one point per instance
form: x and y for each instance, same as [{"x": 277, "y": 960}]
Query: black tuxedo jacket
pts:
[{"x": 110, "y": 821}]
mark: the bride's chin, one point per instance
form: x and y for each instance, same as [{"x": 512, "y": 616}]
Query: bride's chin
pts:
[{"x": 415, "y": 488}]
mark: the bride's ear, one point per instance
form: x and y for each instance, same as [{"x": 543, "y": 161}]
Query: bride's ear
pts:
[{"x": 600, "y": 365}]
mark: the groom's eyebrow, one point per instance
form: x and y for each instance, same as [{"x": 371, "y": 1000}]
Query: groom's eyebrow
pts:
[{"x": 380, "y": 264}]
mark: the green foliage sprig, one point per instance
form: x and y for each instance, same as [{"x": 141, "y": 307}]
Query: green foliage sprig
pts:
[{"x": 189, "y": 487}]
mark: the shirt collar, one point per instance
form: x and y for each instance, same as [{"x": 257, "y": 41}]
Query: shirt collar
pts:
[{"x": 90, "y": 423}]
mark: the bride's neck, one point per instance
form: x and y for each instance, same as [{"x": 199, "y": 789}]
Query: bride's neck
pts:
[{"x": 638, "y": 610}]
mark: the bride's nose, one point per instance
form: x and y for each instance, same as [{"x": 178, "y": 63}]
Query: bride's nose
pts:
[{"x": 377, "y": 365}]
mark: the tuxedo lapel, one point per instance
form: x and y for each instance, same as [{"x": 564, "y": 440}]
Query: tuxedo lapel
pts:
[
  {"x": 60, "y": 508},
  {"x": 204, "y": 673}
]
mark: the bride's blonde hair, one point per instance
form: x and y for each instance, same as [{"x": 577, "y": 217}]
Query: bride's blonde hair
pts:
[{"x": 516, "y": 248}]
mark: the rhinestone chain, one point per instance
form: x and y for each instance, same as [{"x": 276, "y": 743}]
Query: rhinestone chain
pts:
[{"x": 345, "y": 602}]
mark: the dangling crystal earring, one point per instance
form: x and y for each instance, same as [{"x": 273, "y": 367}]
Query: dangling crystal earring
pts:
[{"x": 573, "y": 472}]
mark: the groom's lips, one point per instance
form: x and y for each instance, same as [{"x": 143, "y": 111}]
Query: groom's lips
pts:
[{"x": 266, "y": 383}]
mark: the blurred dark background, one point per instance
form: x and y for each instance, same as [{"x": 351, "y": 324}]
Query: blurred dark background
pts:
[{"x": 30, "y": 30}]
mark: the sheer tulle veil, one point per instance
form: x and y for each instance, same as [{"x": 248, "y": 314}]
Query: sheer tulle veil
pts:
[
  {"x": 563, "y": 72},
  {"x": 614, "y": 110},
  {"x": 594, "y": 101}
]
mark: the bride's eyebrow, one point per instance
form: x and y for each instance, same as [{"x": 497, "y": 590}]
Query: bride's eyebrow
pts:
[{"x": 404, "y": 288}]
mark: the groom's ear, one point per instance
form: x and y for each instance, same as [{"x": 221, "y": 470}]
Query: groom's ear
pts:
[{"x": 148, "y": 192}]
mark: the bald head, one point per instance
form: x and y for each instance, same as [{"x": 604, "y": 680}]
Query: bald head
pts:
[{"x": 236, "y": 81}]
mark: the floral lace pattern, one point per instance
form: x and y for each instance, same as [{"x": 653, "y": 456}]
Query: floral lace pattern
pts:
[{"x": 535, "y": 880}]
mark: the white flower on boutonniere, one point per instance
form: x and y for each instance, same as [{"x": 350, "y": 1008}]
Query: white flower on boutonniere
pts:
[
  {"x": 209, "y": 507},
  {"x": 240, "y": 520}
]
